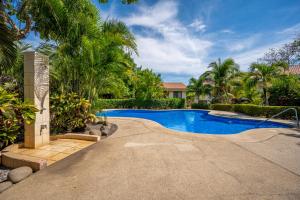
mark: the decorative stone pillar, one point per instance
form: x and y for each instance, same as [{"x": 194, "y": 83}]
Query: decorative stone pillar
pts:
[{"x": 36, "y": 90}]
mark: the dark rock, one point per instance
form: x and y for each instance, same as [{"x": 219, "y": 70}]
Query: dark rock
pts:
[
  {"x": 93, "y": 126},
  {"x": 18, "y": 174},
  {"x": 5, "y": 185},
  {"x": 100, "y": 129},
  {"x": 109, "y": 129},
  {"x": 113, "y": 128},
  {"x": 93, "y": 129},
  {"x": 95, "y": 132},
  {"x": 105, "y": 131}
]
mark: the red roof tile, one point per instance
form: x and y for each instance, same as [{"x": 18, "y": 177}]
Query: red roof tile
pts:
[
  {"x": 174, "y": 86},
  {"x": 295, "y": 69}
]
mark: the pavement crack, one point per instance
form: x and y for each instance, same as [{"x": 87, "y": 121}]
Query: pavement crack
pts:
[{"x": 264, "y": 158}]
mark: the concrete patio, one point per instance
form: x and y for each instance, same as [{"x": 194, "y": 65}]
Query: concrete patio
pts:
[{"x": 144, "y": 160}]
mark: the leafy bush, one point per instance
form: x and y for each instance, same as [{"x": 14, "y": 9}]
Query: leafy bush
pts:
[
  {"x": 200, "y": 106},
  {"x": 285, "y": 91},
  {"x": 225, "y": 107},
  {"x": 13, "y": 114},
  {"x": 139, "y": 103},
  {"x": 69, "y": 112},
  {"x": 256, "y": 111}
]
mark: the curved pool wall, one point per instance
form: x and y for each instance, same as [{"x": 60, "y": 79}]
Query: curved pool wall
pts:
[{"x": 195, "y": 121}]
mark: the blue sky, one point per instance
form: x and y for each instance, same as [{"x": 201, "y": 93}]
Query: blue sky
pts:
[{"x": 179, "y": 38}]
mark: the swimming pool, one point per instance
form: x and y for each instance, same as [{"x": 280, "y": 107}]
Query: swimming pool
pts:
[{"x": 195, "y": 121}]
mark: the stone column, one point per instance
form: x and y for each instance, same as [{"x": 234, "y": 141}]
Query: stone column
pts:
[{"x": 36, "y": 90}]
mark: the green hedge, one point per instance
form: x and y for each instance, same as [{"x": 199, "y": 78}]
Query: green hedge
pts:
[
  {"x": 200, "y": 106},
  {"x": 255, "y": 110},
  {"x": 138, "y": 103}
]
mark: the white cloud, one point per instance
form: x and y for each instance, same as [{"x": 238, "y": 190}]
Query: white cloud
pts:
[
  {"x": 198, "y": 25},
  {"x": 257, "y": 51},
  {"x": 246, "y": 58},
  {"x": 237, "y": 45},
  {"x": 291, "y": 31},
  {"x": 177, "y": 50},
  {"x": 227, "y": 31}
]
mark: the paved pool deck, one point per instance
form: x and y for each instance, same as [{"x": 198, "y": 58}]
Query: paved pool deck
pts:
[{"x": 144, "y": 160}]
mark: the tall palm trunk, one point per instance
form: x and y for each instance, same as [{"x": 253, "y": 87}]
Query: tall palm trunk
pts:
[
  {"x": 266, "y": 96},
  {"x": 265, "y": 92},
  {"x": 197, "y": 98}
]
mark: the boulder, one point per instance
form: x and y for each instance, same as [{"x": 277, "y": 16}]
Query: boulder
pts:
[
  {"x": 105, "y": 131},
  {"x": 94, "y": 129},
  {"x": 95, "y": 132},
  {"x": 18, "y": 174},
  {"x": 93, "y": 126},
  {"x": 3, "y": 174},
  {"x": 5, "y": 185}
]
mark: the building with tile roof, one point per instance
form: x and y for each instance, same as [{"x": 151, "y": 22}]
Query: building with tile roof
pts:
[
  {"x": 175, "y": 89},
  {"x": 294, "y": 69}
]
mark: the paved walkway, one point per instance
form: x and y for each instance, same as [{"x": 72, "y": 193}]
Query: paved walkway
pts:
[{"x": 143, "y": 160}]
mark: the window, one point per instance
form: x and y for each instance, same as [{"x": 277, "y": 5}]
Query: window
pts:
[{"x": 177, "y": 94}]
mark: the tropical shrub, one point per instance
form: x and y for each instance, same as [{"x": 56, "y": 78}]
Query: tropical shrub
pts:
[
  {"x": 69, "y": 112},
  {"x": 285, "y": 91},
  {"x": 139, "y": 103},
  {"x": 148, "y": 86},
  {"x": 13, "y": 114},
  {"x": 224, "y": 107},
  {"x": 10, "y": 84},
  {"x": 200, "y": 105},
  {"x": 255, "y": 110}
]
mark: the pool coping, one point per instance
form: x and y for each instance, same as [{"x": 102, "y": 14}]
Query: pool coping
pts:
[
  {"x": 248, "y": 136},
  {"x": 225, "y": 114},
  {"x": 251, "y": 135}
]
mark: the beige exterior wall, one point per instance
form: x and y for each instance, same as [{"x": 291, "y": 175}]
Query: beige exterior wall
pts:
[
  {"x": 171, "y": 94},
  {"x": 184, "y": 95}
]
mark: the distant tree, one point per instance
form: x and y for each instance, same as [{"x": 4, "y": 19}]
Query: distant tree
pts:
[
  {"x": 288, "y": 53},
  {"x": 149, "y": 85},
  {"x": 261, "y": 76},
  {"x": 198, "y": 87},
  {"x": 221, "y": 72},
  {"x": 285, "y": 91},
  {"x": 240, "y": 92}
]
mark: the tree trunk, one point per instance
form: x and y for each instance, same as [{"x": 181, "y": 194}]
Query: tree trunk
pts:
[
  {"x": 197, "y": 98},
  {"x": 266, "y": 96}
]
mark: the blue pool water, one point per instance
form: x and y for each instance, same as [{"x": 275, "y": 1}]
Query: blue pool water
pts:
[{"x": 196, "y": 121}]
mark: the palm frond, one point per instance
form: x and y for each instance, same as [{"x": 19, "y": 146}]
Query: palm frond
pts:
[{"x": 8, "y": 49}]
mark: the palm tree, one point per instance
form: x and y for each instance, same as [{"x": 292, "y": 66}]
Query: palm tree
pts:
[
  {"x": 8, "y": 49},
  {"x": 101, "y": 66},
  {"x": 198, "y": 87},
  {"x": 261, "y": 75},
  {"x": 118, "y": 35},
  {"x": 221, "y": 73},
  {"x": 240, "y": 91},
  {"x": 59, "y": 21}
]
